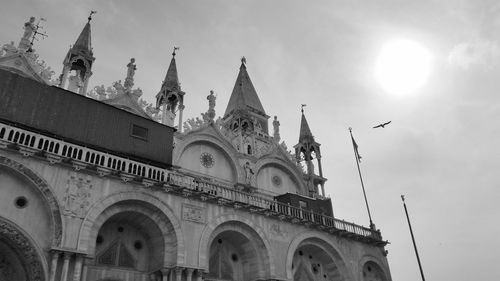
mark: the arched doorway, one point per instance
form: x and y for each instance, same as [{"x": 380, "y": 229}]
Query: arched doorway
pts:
[
  {"x": 19, "y": 259},
  {"x": 316, "y": 260},
  {"x": 131, "y": 240},
  {"x": 237, "y": 253}
]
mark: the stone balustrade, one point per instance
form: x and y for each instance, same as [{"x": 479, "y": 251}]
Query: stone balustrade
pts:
[{"x": 106, "y": 164}]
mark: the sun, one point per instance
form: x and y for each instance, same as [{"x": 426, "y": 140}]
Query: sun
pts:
[{"x": 402, "y": 67}]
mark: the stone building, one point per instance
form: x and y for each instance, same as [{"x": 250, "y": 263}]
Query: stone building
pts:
[{"x": 104, "y": 188}]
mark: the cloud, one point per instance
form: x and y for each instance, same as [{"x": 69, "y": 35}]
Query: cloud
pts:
[{"x": 482, "y": 53}]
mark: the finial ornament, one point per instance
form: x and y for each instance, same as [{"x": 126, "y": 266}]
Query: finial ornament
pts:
[
  {"x": 302, "y": 107},
  {"x": 243, "y": 60},
  {"x": 90, "y": 16},
  {"x": 175, "y": 49}
]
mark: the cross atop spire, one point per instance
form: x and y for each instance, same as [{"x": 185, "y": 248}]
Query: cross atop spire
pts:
[
  {"x": 90, "y": 16},
  {"x": 175, "y": 49}
]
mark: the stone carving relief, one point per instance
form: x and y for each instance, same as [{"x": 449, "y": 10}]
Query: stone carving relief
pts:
[
  {"x": 77, "y": 196},
  {"x": 193, "y": 213},
  {"x": 278, "y": 231}
]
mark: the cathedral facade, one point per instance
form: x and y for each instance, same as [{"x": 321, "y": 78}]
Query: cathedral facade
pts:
[{"x": 105, "y": 187}]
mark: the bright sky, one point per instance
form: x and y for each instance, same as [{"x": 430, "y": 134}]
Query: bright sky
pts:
[{"x": 440, "y": 149}]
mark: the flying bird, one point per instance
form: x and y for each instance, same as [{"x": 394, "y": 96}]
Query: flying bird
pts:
[{"x": 382, "y": 125}]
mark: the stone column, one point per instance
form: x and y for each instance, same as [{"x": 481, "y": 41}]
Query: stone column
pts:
[
  {"x": 53, "y": 265},
  {"x": 178, "y": 273},
  {"x": 64, "y": 77},
  {"x": 165, "y": 272},
  {"x": 181, "y": 109},
  {"x": 64, "y": 273},
  {"x": 189, "y": 272},
  {"x": 78, "y": 268}
]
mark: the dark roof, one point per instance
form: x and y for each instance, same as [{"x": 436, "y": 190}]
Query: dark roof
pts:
[{"x": 244, "y": 94}]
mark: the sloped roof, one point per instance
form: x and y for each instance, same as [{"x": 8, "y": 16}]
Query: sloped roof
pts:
[
  {"x": 171, "y": 81},
  {"x": 83, "y": 43},
  {"x": 126, "y": 102},
  {"x": 305, "y": 131},
  {"x": 244, "y": 95}
]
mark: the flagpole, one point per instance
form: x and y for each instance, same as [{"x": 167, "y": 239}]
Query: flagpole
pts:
[
  {"x": 413, "y": 239},
  {"x": 356, "y": 156}
]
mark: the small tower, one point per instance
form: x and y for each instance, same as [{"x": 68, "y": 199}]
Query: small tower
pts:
[
  {"x": 244, "y": 115},
  {"x": 171, "y": 97},
  {"x": 79, "y": 62},
  {"x": 307, "y": 150}
]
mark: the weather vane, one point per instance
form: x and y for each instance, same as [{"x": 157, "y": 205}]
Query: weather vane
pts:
[
  {"x": 90, "y": 16},
  {"x": 302, "y": 107},
  {"x": 36, "y": 32},
  {"x": 175, "y": 49}
]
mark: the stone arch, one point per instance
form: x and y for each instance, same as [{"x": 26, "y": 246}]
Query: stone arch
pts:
[
  {"x": 228, "y": 222},
  {"x": 321, "y": 241},
  {"x": 381, "y": 266},
  {"x": 286, "y": 166},
  {"x": 29, "y": 255},
  {"x": 45, "y": 190},
  {"x": 212, "y": 140},
  {"x": 134, "y": 201}
]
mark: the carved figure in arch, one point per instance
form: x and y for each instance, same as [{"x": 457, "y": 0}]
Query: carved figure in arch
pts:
[{"x": 75, "y": 82}]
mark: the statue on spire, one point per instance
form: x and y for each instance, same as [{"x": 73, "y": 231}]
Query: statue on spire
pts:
[
  {"x": 243, "y": 60},
  {"x": 131, "y": 68}
]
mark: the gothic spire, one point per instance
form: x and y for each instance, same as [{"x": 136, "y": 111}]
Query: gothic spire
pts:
[
  {"x": 244, "y": 96},
  {"x": 305, "y": 131},
  {"x": 83, "y": 43},
  {"x": 79, "y": 60},
  {"x": 171, "y": 81}
]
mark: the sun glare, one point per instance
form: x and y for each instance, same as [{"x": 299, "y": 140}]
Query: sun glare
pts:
[{"x": 402, "y": 67}]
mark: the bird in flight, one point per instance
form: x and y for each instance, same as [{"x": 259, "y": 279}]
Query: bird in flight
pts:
[{"x": 382, "y": 125}]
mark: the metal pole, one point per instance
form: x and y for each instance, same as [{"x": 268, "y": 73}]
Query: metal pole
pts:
[
  {"x": 413, "y": 239},
  {"x": 356, "y": 156}
]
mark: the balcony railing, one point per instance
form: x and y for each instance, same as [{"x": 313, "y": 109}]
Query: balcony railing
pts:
[{"x": 29, "y": 143}]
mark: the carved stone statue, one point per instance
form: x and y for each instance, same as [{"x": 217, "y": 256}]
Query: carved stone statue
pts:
[
  {"x": 29, "y": 28},
  {"x": 276, "y": 127},
  {"x": 211, "y": 105},
  {"x": 248, "y": 173},
  {"x": 131, "y": 68}
]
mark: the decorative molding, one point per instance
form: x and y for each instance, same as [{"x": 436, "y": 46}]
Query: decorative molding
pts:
[
  {"x": 43, "y": 187},
  {"x": 23, "y": 247},
  {"x": 193, "y": 213}
]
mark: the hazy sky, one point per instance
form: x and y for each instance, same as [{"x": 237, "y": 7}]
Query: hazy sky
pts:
[{"x": 440, "y": 149}]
